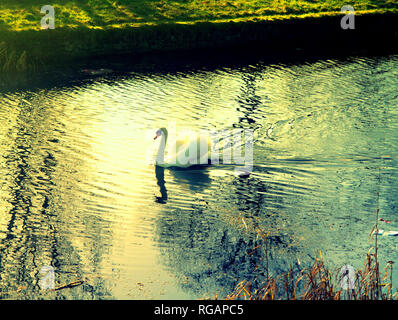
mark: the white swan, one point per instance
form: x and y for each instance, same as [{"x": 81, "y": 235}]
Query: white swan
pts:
[{"x": 188, "y": 150}]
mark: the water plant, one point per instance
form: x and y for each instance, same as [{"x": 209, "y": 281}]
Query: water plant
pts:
[{"x": 319, "y": 282}]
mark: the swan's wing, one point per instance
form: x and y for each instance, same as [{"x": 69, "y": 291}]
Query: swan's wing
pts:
[
  {"x": 189, "y": 149},
  {"x": 182, "y": 143},
  {"x": 179, "y": 144},
  {"x": 175, "y": 149},
  {"x": 194, "y": 151}
]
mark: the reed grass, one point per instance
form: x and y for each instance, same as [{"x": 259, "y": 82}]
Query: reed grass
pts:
[
  {"x": 17, "y": 60},
  {"x": 319, "y": 282}
]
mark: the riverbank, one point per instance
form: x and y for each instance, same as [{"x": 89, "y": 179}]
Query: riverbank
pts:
[{"x": 32, "y": 49}]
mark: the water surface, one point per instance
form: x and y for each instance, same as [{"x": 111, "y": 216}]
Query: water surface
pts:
[{"x": 77, "y": 191}]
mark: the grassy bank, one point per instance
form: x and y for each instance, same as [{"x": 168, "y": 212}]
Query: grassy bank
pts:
[
  {"x": 87, "y": 28},
  {"x": 25, "y": 14}
]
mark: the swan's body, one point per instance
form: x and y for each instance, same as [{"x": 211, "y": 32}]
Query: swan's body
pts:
[{"x": 188, "y": 150}]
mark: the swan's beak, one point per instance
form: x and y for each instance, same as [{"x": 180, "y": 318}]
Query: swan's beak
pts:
[{"x": 155, "y": 137}]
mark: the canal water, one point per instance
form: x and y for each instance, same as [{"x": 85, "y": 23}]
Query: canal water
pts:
[{"x": 77, "y": 191}]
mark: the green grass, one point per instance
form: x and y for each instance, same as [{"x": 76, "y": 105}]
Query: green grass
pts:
[
  {"x": 86, "y": 28},
  {"x": 25, "y": 14}
]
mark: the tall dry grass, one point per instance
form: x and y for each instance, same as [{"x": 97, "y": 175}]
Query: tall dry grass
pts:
[{"x": 318, "y": 282}]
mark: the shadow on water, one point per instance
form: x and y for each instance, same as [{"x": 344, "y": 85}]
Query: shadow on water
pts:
[
  {"x": 225, "y": 235},
  {"x": 219, "y": 240},
  {"x": 196, "y": 178}
]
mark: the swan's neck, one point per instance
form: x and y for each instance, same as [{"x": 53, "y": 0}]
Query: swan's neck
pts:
[{"x": 162, "y": 148}]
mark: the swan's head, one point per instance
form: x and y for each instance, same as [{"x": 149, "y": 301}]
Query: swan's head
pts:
[{"x": 159, "y": 132}]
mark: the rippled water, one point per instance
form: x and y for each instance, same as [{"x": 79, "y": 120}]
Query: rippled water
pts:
[{"x": 77, "y": 192}]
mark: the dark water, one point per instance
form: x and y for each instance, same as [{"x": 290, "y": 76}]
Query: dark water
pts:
[{"x": 77, "y": 192}]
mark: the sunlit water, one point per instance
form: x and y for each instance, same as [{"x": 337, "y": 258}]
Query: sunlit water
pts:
[{"x": 77, "y": 191}]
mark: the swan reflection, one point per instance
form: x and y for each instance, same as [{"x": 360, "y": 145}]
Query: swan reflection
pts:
[
  {"x": 159, "y": 172},
  {"x": 196, "y": 179}
]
